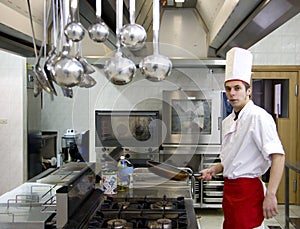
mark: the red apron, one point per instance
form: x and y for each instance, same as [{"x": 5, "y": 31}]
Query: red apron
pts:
[{"x": 242, "y": 203}]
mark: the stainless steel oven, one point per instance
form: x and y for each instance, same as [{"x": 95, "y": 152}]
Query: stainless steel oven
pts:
[
  {"x": 192, "y": 117},
  {"x": 135, "y": 134}
]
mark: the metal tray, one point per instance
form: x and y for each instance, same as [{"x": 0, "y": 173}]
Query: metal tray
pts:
[
  {"x": 214, "y": 193},
  {"x": 212, "y": 200},
  {"x": 213, "y": 184}
]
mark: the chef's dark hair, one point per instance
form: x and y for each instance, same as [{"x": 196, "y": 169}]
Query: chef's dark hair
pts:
[{"x": 247, "y": 86}]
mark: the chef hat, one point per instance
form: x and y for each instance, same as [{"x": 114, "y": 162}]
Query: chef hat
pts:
[{"x": 238, "y": 65}]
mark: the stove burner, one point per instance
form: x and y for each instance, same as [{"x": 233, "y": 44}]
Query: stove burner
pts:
[
  {"x": 142, "y": 213},
  {"x": 164, "y": 204},
  {"x": 124, "y": 204},
  {"x": 160, "y": 224},
  {"x": 165, "y": 223},
  {"x": 116, "y": 223}
]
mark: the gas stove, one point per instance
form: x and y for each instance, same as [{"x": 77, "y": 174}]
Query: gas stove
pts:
[
  {"x": 80, "y": 205},
  {"x": 144, "y": 212}
]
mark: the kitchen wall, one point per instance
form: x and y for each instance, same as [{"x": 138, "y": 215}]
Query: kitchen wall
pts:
[
  {"x": 13, "y": 137},
  {"x": 59, "y": 113},
  {"x": 281, "y": 47}
]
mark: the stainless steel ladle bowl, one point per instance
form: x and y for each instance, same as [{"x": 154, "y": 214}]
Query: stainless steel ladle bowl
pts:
[
  {"x": 67, "y": 70},
  {"x": 98, "y": 32},
  {"x": 119, "y": 70},
  {"x": 74, "y": 30},
  {"x": 133, "y": 36},
  {"x": 156, "y": 67}
]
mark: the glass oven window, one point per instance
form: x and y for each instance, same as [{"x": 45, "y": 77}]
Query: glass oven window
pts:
[
  {"x": 191, "y": 116},
  {"x": 138, "y": 129}
]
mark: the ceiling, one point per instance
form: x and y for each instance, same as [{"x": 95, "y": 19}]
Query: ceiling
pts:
[{"x": 225, "y": 23}]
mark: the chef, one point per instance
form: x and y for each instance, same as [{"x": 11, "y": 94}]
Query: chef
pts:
[{"x": 250, "y": 145}]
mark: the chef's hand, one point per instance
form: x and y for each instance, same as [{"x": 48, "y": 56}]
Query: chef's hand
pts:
[
  {"x": 207, "y": 174},
  {"x": 270, "y": 206}
]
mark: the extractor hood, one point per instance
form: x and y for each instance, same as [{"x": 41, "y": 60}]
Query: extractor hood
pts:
[
  {"x": 194, "y": 29},
  {"x": 203, "y": 34}
]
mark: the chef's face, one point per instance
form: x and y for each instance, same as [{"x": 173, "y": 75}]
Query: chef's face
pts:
[{"x": 237, "y": 94}]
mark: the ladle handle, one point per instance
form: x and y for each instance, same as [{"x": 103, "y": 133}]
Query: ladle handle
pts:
[
  {"x": 119, "y": 23},
  {"x": 45, "y": 27},
  {"x": 32, "y": 28},
  {"x": 156, "y": 26},
  {"x": 98, "y": 9},
  {"x": 54, "y": 15},
  {"x": 132, "y": 11},
  {"x": 73, "y": 9},
  {"x": 62, "y": 24}
]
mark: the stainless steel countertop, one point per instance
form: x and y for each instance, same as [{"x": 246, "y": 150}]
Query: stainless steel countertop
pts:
[
  {"x": 149, "y": 184},
  {"x": 156, "y": 192}
]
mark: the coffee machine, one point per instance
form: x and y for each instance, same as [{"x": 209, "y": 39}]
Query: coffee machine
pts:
[
  {"x": 75, "y": 146},
  {"x": 70, "y": 150}
]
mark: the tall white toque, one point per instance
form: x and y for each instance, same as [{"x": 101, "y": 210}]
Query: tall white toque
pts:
[{"x": 238, "y": 65}]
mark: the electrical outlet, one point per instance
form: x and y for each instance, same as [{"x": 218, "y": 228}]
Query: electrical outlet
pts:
[{"x": 3, "y": 121}]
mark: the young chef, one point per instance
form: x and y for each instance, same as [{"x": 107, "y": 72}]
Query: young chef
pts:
[{"x": 250, "y": 145}]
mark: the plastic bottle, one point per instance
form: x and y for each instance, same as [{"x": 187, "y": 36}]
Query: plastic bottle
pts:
[
  {"x": 125, "y": 171},
  {"x": 123, "y": 178},
  {"x": 109, "y": 179}
]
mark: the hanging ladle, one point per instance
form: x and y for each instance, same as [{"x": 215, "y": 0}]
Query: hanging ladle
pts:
[
  {"x": 67, "y": 92},
  {"x": 87, "y": 68},
  {"x": 156, "y": 67},
  {"x": 87, "y": 81},
  {"x": 133, "y": 36},
  {"x": 58, "y": 35},
  {"x": 52, "y": 54},
  {"x": 39, "y": 72},
  {"x": 67, "y": 70},
  {"x": 74, "y": 30},
  {"x": 98, "y": 32},
  {"x": 119, "y": 70}
]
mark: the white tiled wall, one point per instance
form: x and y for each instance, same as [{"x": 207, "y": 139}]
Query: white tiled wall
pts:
[
  {"x": 60, "y": 113},
  {"x": 281, "y": 47},
  {"x": 12, "y": 115}
]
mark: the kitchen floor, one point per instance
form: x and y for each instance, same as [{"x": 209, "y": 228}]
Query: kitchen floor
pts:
[{"x": 213, "y": 218}]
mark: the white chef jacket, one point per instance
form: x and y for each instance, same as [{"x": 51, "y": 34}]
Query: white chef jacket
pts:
[{"x": 248, "y": 142}]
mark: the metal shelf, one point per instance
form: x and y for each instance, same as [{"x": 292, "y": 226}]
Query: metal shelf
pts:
[{"x": 295, "y": 221}]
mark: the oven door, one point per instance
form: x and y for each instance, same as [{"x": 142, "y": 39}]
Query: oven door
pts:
[{"x": 192, "y": 117}]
